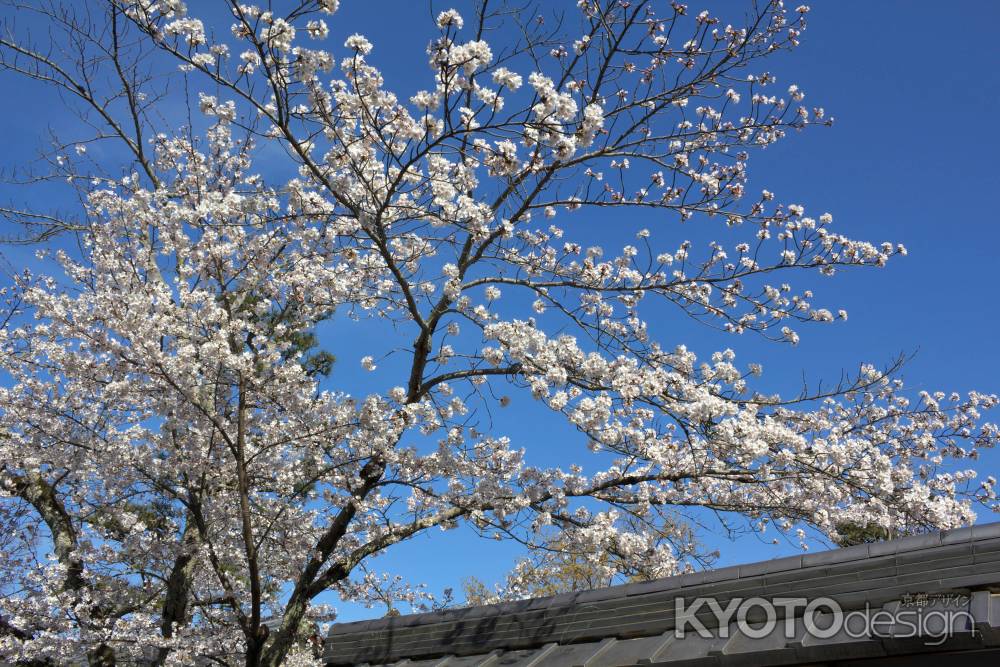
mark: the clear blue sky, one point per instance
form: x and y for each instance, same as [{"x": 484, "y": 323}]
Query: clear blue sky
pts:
[{"x": 911, "y": 159}]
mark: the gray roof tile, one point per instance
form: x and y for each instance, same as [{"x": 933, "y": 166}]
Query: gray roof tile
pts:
[{"x": 633, "y": 623}]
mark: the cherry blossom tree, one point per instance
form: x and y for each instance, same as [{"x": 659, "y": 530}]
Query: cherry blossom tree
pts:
[{"x": 178, "y": 485}]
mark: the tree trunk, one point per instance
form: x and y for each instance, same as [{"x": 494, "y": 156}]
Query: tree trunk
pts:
[{"x": 102, "y": 656}]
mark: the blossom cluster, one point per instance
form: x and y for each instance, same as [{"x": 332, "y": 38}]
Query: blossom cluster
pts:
[{"x": 179, "y": 465}]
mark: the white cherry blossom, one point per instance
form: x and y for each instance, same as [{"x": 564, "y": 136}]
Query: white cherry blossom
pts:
[{"x": 176, "y": 465}]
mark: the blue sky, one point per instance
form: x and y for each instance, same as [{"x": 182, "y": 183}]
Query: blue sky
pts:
[{"x": 910, "y": 159}]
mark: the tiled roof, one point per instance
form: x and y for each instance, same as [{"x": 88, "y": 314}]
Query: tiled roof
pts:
[{"x": 634, "y": 623}]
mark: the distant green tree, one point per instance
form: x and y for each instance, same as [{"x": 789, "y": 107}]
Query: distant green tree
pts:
[{"x": 855, "y": 533}]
